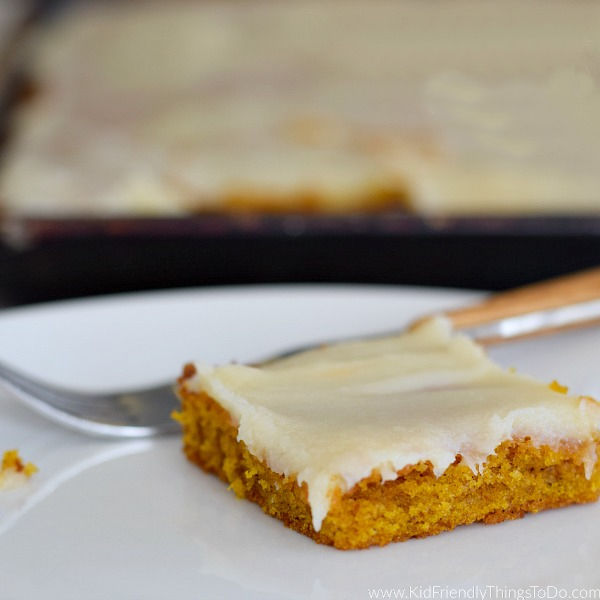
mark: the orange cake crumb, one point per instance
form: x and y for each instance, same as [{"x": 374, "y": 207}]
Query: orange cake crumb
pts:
[
  {"x": 557, "y": 387},
  {"x": 13, "y": 470}
]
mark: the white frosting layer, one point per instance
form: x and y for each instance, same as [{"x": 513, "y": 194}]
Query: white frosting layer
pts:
[
  {"x": 330, "y": 416},
  {"x": 471, "y": 107}
]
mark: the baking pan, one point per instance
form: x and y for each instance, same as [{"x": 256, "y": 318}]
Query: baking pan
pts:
[
  {"x": 43, "y": 259},
  {"x": 49, "y": 259}
]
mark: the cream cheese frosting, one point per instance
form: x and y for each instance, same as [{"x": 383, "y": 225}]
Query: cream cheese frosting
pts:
[{"x": 331, "y": 416}]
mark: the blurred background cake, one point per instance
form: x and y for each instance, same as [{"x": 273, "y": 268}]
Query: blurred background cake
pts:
[
  {"x": 204, "y": 142},
  {"x": 307, "y": 106}
]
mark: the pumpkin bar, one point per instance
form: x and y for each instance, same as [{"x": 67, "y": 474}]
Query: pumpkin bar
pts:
[{"x": 369, "y": 442}]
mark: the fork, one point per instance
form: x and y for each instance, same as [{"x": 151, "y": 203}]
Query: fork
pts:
[{"x": 541, "y": 308}]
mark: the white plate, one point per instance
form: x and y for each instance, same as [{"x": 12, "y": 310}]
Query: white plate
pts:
[{"x": 114, "y": 520}]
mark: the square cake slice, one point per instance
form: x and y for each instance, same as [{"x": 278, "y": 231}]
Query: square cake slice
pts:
[{"x": 365, "y": 443}]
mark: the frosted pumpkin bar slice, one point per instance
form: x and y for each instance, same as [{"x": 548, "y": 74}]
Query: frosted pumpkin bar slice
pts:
[{"x": 370, "y": 442}]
